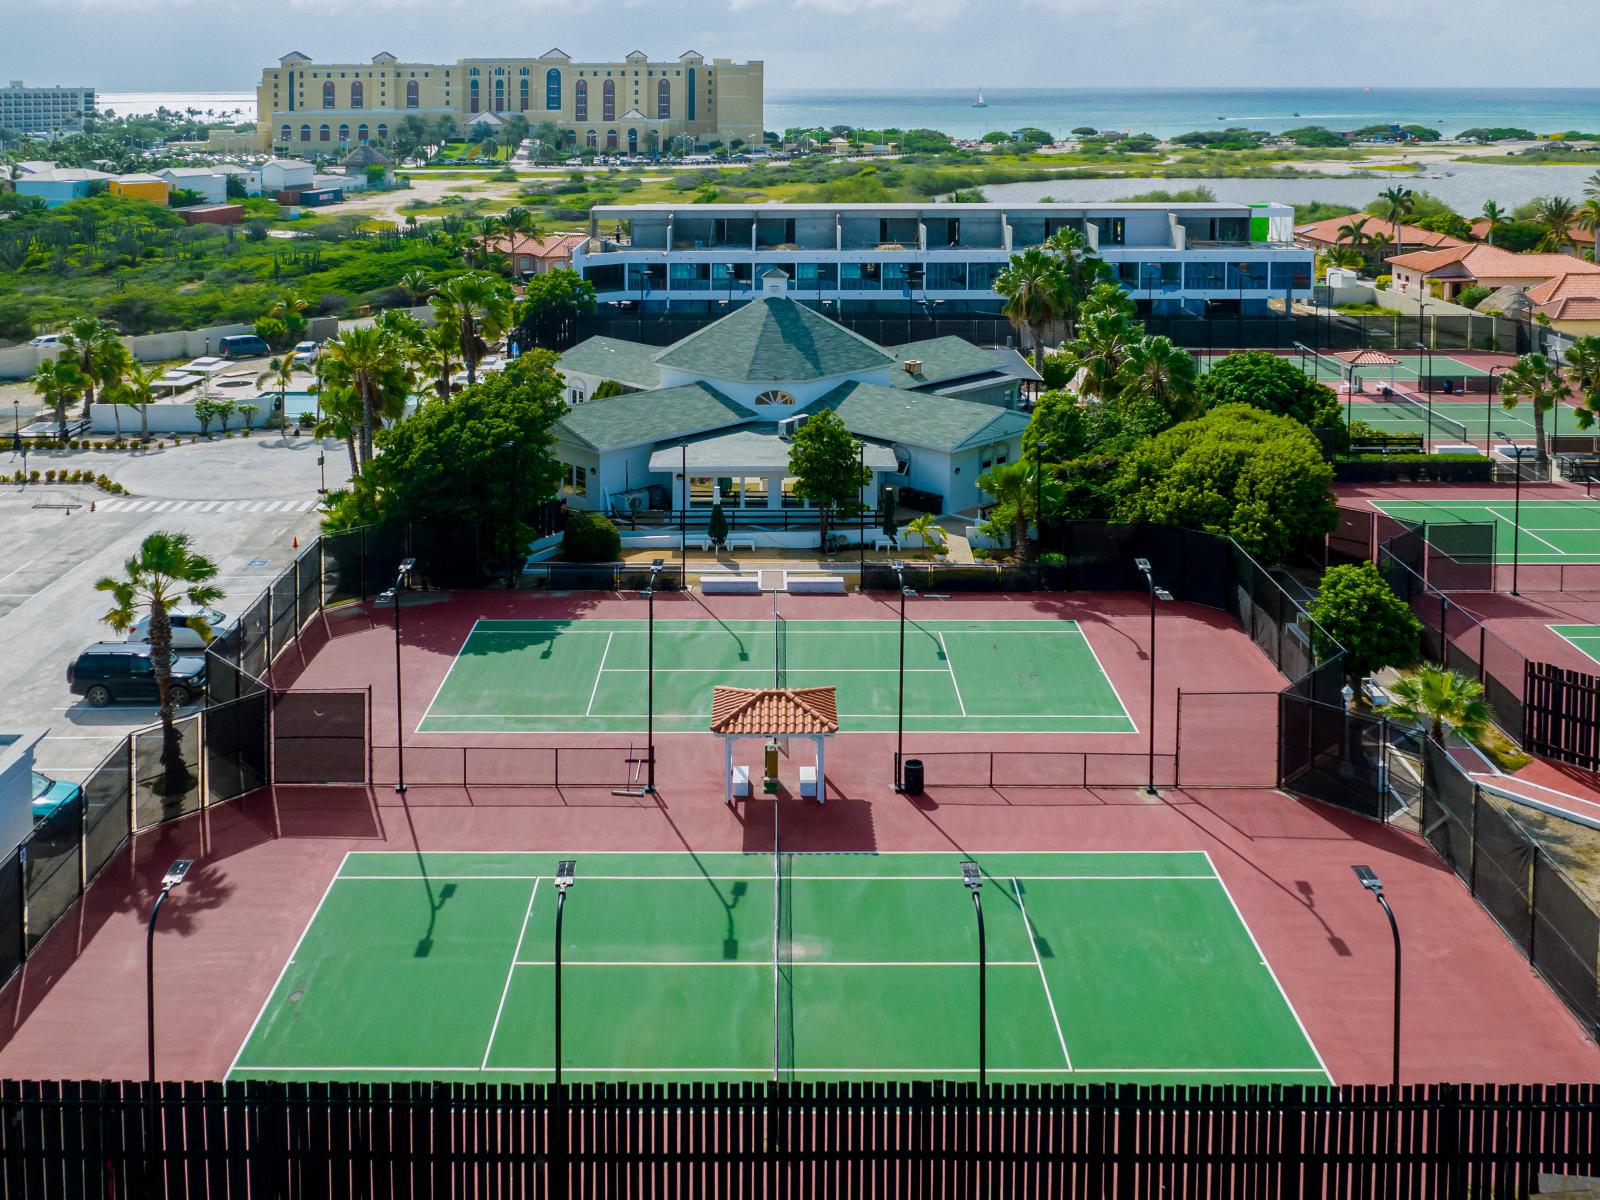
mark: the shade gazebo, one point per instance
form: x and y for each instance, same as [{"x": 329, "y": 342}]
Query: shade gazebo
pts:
[{"x": 767, "y": 714}]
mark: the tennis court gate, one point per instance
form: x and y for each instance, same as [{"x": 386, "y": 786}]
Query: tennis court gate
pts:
[{"x": 1561, "y": 715}]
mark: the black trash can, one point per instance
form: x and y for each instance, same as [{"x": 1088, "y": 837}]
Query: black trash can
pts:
[{"x": 911, "y": 776}]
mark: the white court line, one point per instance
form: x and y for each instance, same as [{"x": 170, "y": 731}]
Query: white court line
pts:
[
  {"x": 787, "y": 671},
  {"x": 460, "y": 651},
  {"x": 652, "y": 964},
  {"x": 416, "y": 1071},
  {"x": 696, "y": 716},
  {"x": 700, "y": 877},
  {"x": 1022, "y": 906},
  {"x": 595, "y": 690},
  {"x": 1273, "y": 975},
  {"x": 287, "y": 963},
  {"x": 1526, "y": 530},
  {"x": 510, "y": 971},
  {"x": 1106, "y": 675},
  {"x": 950, "y": 666}
]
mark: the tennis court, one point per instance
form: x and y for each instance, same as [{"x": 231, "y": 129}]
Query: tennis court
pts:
[
  {"x": 981, "y": 676},
  {"x": 1452, "y": 420},
  {"x": 1586, "y": 638},
  {"x": 1552, "y": 531},
  {"x": 1124, "y": 967}
]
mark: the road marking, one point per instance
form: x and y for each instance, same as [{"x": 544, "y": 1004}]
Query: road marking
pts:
[{"x": 19, "y": 571}]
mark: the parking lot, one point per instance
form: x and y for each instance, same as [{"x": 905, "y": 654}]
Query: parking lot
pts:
[{"x": 243, "y": 501}]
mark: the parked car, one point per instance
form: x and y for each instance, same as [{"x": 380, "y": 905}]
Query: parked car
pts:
[
  {"x": 243, "y": 345},
  {"x": 122, "y": 672},
  {"x": 305, "y": 353},
  {"x": 193, "y": 627},
  {"x": 51, "y": 796},
  {"x": 46, "y": 339}
]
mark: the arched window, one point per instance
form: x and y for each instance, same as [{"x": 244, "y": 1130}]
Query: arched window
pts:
[
  {"x": 633, "y": 141},
  {"x": 690, "y": 108},
  {"x": 344, "y": 134},
  {"x": 357, "y": 95},
  {"x": 663, "y": 100},
  {"x": 571, "y": 137},
  {"x": 472, "y": 91},
  {"x": 305, "y": 133},
  {"x": 611, "y": 139},
  {"x": 285, "y": 133},
  {"x": 412, "y": 99},
  {"x": 591, "y": 140},
  {"x": 361, "y": 134},
  {"x": 608, "y": 101},
  {"x": 552, "y": 90},
  {"x": 580, "y": 101},
  {"x": 499, "y": 95},
  {"x": 776, "y": 397},
  {"x": 383, "y": 133},
  {"x": 327, "y": 94},
  {"x": 324, "y": 134},
  {"x": 522, "y": 96}
]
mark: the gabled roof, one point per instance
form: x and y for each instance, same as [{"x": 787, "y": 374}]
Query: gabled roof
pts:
[
  {"x": 633, "y": 114},
  {"x": 627, "y": 362},
  {"x": 774, "y": 339},
  {"x": 691, "y": 56},
  {"x": 762, "y": 712},
  {"x": 1574, "y": 296},
  {"x": 641, "y": 417},
  {"x": 755, "y": 447},
  {"x": 1369, "y": 358},
  {"x": 637, "y": 56},
  {"x": 942, "y": 359},
  {"x": 1327, "y": 232},
  {"x": 918, "y": 418},
  {"x": 367, "y": 156},
  {"x": 384, "y": 56},
  {"x": 556, "y": 52},
  {"x": 295, "y": 56},
  {"x": 1490, "y": 262}
]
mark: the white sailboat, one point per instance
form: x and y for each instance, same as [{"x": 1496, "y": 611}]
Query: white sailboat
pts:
[{"x": 980, "y": 102}]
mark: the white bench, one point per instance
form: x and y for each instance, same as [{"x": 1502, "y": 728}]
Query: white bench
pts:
[
  {"x": 732, "y": 543},
  {"x": 740, "y": 585},
  {"x": 882, "y": 541},
  {"x": 808, "y": 783},
  {"x": 796, "y": 582},
  {"x": 741, "y": 782}
]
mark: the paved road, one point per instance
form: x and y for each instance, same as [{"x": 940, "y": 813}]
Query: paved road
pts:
[{"x": 244, "y": 501}]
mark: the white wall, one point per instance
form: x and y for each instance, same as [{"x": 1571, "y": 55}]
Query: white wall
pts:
[
  {"x": 170, "y": 418},
  {"x": 16, "y": 789}
]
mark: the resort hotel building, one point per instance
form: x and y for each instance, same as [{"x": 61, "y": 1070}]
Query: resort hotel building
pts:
[
  {"x": 1203, "y": 258},
  {"x": 637, "y": 105},
  {"x": 45, "y": 110}
]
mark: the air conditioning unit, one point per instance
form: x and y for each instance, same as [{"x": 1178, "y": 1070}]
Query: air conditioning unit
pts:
[
  {"x": 788, "y": 425},
  {"x": 913, "y": 366}
]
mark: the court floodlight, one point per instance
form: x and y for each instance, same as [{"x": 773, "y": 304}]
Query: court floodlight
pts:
[
  {"x": 1143, "y": 564},
  {"x": 176, "y": 872},
  {"x": 971, "y": 875},
  {"x": 566, "y": 871},
  {"x": 1163, "y": 594},
  {"x": 386, "y": 596},
  {"x": 1369, "y": 879},
  {"x": 407, "y": 565}
]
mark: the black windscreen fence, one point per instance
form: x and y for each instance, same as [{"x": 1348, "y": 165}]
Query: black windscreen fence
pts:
[
  {"x": 1335, "y": 755},
  {"x": 166, "y": 772},
  {"x": 284, "y": 598},
  {"x": 1460, "y": 557},
  {"x": 320, "y": 737},
  {"x": 236, "y": 745},
  {"x": 13, "y": 937},
  {"x": 52, "y": 868},
  {"x": 255, "y": 627},
  {"x": 1542, "y": 910},
  {"x": 107, "y": 812}
]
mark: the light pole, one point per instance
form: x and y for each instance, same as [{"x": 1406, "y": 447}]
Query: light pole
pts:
[
  {"x": 407, "y": 565},
  {"x": 1156, "y": 593},
  {"x": 1516, "y": 511},
  {"x": 511, "y": 517},
  {"x": 173, "y": 877},
  {"x": 650, "y": 681},
  {"x": 861, "y": 525},
  {"x": 566, "y": 870},
  {"x": 1427, "y": 391},
  {"x": 1488, "y": 405},
  {"x": 16, "y": 427},
  {"x": 972, "y": 877},
  {"x": 899, "y": 569},
  {"x": 1373, "y": 884}
]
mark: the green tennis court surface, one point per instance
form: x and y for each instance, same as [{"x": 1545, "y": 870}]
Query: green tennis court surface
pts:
[
  {"x": 1452, "y": 419},
  {"x": 548, "y": 676},
  {"x": 1122, "y": 967},
  {"x": 1585, "y": 637},
  {"x": 1552, "y": 531}
]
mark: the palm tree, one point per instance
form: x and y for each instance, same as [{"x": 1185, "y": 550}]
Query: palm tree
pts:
[
  {"x": 1165, "y": 373},
  {"x": 925, "y": 530},
  {"x": 477, "y": 306},
  {"x": 517, "y": 222},
  {"x": 1495, "y": 215},
  {"x": 338, "y": 416},
  {"x": 417, "y": 286},
  {"x": 279, "y": 373},
  {"x": 1536, "y": 379},
  {"x": 138, "y": 387},
  {"x": 1354, "y": 231},
  {"x": 368, "y": 361},
  {"x": 164, "y": 572},
  {"x": 58, "y": 382},
  {"x": 1583, "y": 371},
  {"x": 1035, "y": 295},
  {"x": 1344, "y": 257},
  {"x": 1397, "y": 203},
  {"x": 1588, "y": 218},
  {"x": 1104, "y": 342},
  {"x": 1591, "y": 185},
  {"x": 435, "y": 357},
  {"x": 1081, "y": 270},
  {"x": 1435, "y": 697},
  {"x": 1012, "y": 485},
  {"x": 94, "y": 346},
  {"x": 1557, "y": 214}
]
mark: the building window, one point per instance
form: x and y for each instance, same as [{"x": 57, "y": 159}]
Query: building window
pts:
[
  {"x": 305, "y": 133},
  {"x": 691, "y": 94},
  {"x": 608, "y": 101},
  {"x": 357, "y": 95},
  {"x": 412, "y": 99},
  {"x": 611, "y": 139},
  {"x": 361, "y": 134},
  {"x": 383, "y": 133},
  {"x": 580, "y": 101},
  {"x": 591, "y": 139},
  {"x": 575, "y": 479},
  {"x": 327, "y": 94},
  {"x": 1204, "y": 276},
  {"x": 324, "y": 134},
  {"x": 522, "y": 96},
  {"x": 472, "y": 91},
  {"x": 633, "y": 141},
  {"x": 552, "y": 90},
  {"x": 663, "y": 100},
  {"x": 499, "y": 95},
  {"x": 344, "y": 134},
  {"x": 776, "y": 396},
  {"x": 284, "y": 134}
]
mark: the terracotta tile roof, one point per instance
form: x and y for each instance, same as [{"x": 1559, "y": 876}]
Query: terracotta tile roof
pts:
[
  {"x": 1571, "y": 285},
  {"x": 1576, "y": 309},
  {"x": 774, "y": 712},
  {"x": 554, "y": 245},
  {"x": 1327, "y": 232},
  {"x": 1491, "y": 262},
  {"x": 1369, "y": 358}
]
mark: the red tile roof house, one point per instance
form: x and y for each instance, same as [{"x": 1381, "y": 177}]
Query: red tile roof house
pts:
[
  {"x": 530, "y": 256},
  {"x": 1581, "y": 241},
  {"x": 1460, "y": 267},
  {"x": 1324, "y": 235},
  {"x": 1571, "y": 302}
]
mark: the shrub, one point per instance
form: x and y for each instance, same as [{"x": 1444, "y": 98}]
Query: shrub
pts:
[
  {"x": 1052, "y": 558},
  {"x": 590, "y": 537},
  {"x": 49, "y": 476},
  {"x": 1473, "y": 296},
  {"x": 1383, "y": 282}
]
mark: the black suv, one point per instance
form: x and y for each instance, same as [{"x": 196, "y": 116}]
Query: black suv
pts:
[{"x": 122, "y": 671}]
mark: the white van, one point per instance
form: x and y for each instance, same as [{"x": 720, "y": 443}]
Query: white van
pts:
[{"x": 193, "y": 627}]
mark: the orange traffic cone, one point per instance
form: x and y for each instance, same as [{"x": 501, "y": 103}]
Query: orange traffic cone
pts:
[
  {"x": 91, "y": 506},
  {"x": 297, "y": 541}
]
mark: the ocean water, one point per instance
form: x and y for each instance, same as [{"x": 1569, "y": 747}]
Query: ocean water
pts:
[
  {"x": 235, "y": 107},
  {"x": 1166, "y": 112}
]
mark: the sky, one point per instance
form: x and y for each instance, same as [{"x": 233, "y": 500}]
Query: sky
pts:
[{"x": 221, "y": 45}]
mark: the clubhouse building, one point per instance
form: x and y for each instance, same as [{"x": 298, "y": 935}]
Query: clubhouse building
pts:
[
  {"x": 931, "y": 259},
  {"x": 711, "y": 416},
  {"x": 637, "y": 105}
]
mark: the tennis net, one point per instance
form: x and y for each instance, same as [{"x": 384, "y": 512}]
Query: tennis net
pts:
[
  {"x": 780, "y": 649},
  {"x": 1435, "y": 422}
]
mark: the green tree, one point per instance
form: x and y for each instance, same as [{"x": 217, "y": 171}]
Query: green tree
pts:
[
  {"x": 825, "y": 461},
  {"x": 416, "y": 285},
  {"x": 453, "y": 460},
  {"x": 555, "y": 293},
  {"x": 58, "y": 382},
  {"x": 1536, "y": 380},
  {"x": 1016, "y": 488},
  {"x": 1056, "y": 430},
  {"x": 607, "y": 389},
  {"x": 138, "y": 387},
  {"x": 225, "y": 408},
  {"x": 1270, "y": 382},
  {"x": 165, "y": 571},
  {"x": 1080, "y": 270},
  {"x": 1396, "y": 204},
  {"x": 1034, "y": 293},
  {"x": 280, "y": 374},
  {"x": 1493, "y": 213},
  {"x": 590, "y": 537},
  {"x": 1583, "y": 371},
  {"x": 1165, "y": 373},
  {"x": 1105, "y": 340},
  {"x": 339, "y": 417},
  {"x": 1434, "y": 698},
  {"x": 97, "y": 350},
  {"x": 926, "y": 531},
  {"x": 1556, "y": 215},
  {"x": 1448, "y": 223},
  {"x": 478, "y": 307},
  {"x": 205, "y": 412},
  {"x": 1237, "y": 471},
  {"x": 371, "y": 362},
  {"x": 1359, "y": 611}
]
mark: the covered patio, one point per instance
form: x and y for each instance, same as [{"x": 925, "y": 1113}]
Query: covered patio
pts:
[
  {"x": 748, "y": 469},
  {"x": 771, "y": 715}
]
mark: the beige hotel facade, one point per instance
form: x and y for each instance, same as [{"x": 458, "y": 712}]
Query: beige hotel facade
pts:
[{"x": 635, "y": 105}]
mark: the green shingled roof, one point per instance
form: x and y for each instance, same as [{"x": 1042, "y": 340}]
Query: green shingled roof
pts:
[
  {"x": 773, "y": 339},
  {"x": 943, "y": 359},
  {"x": 639, "y": 417},
  {"x": 918, "y": 418},
  {"x": 630, "y": 363}
]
